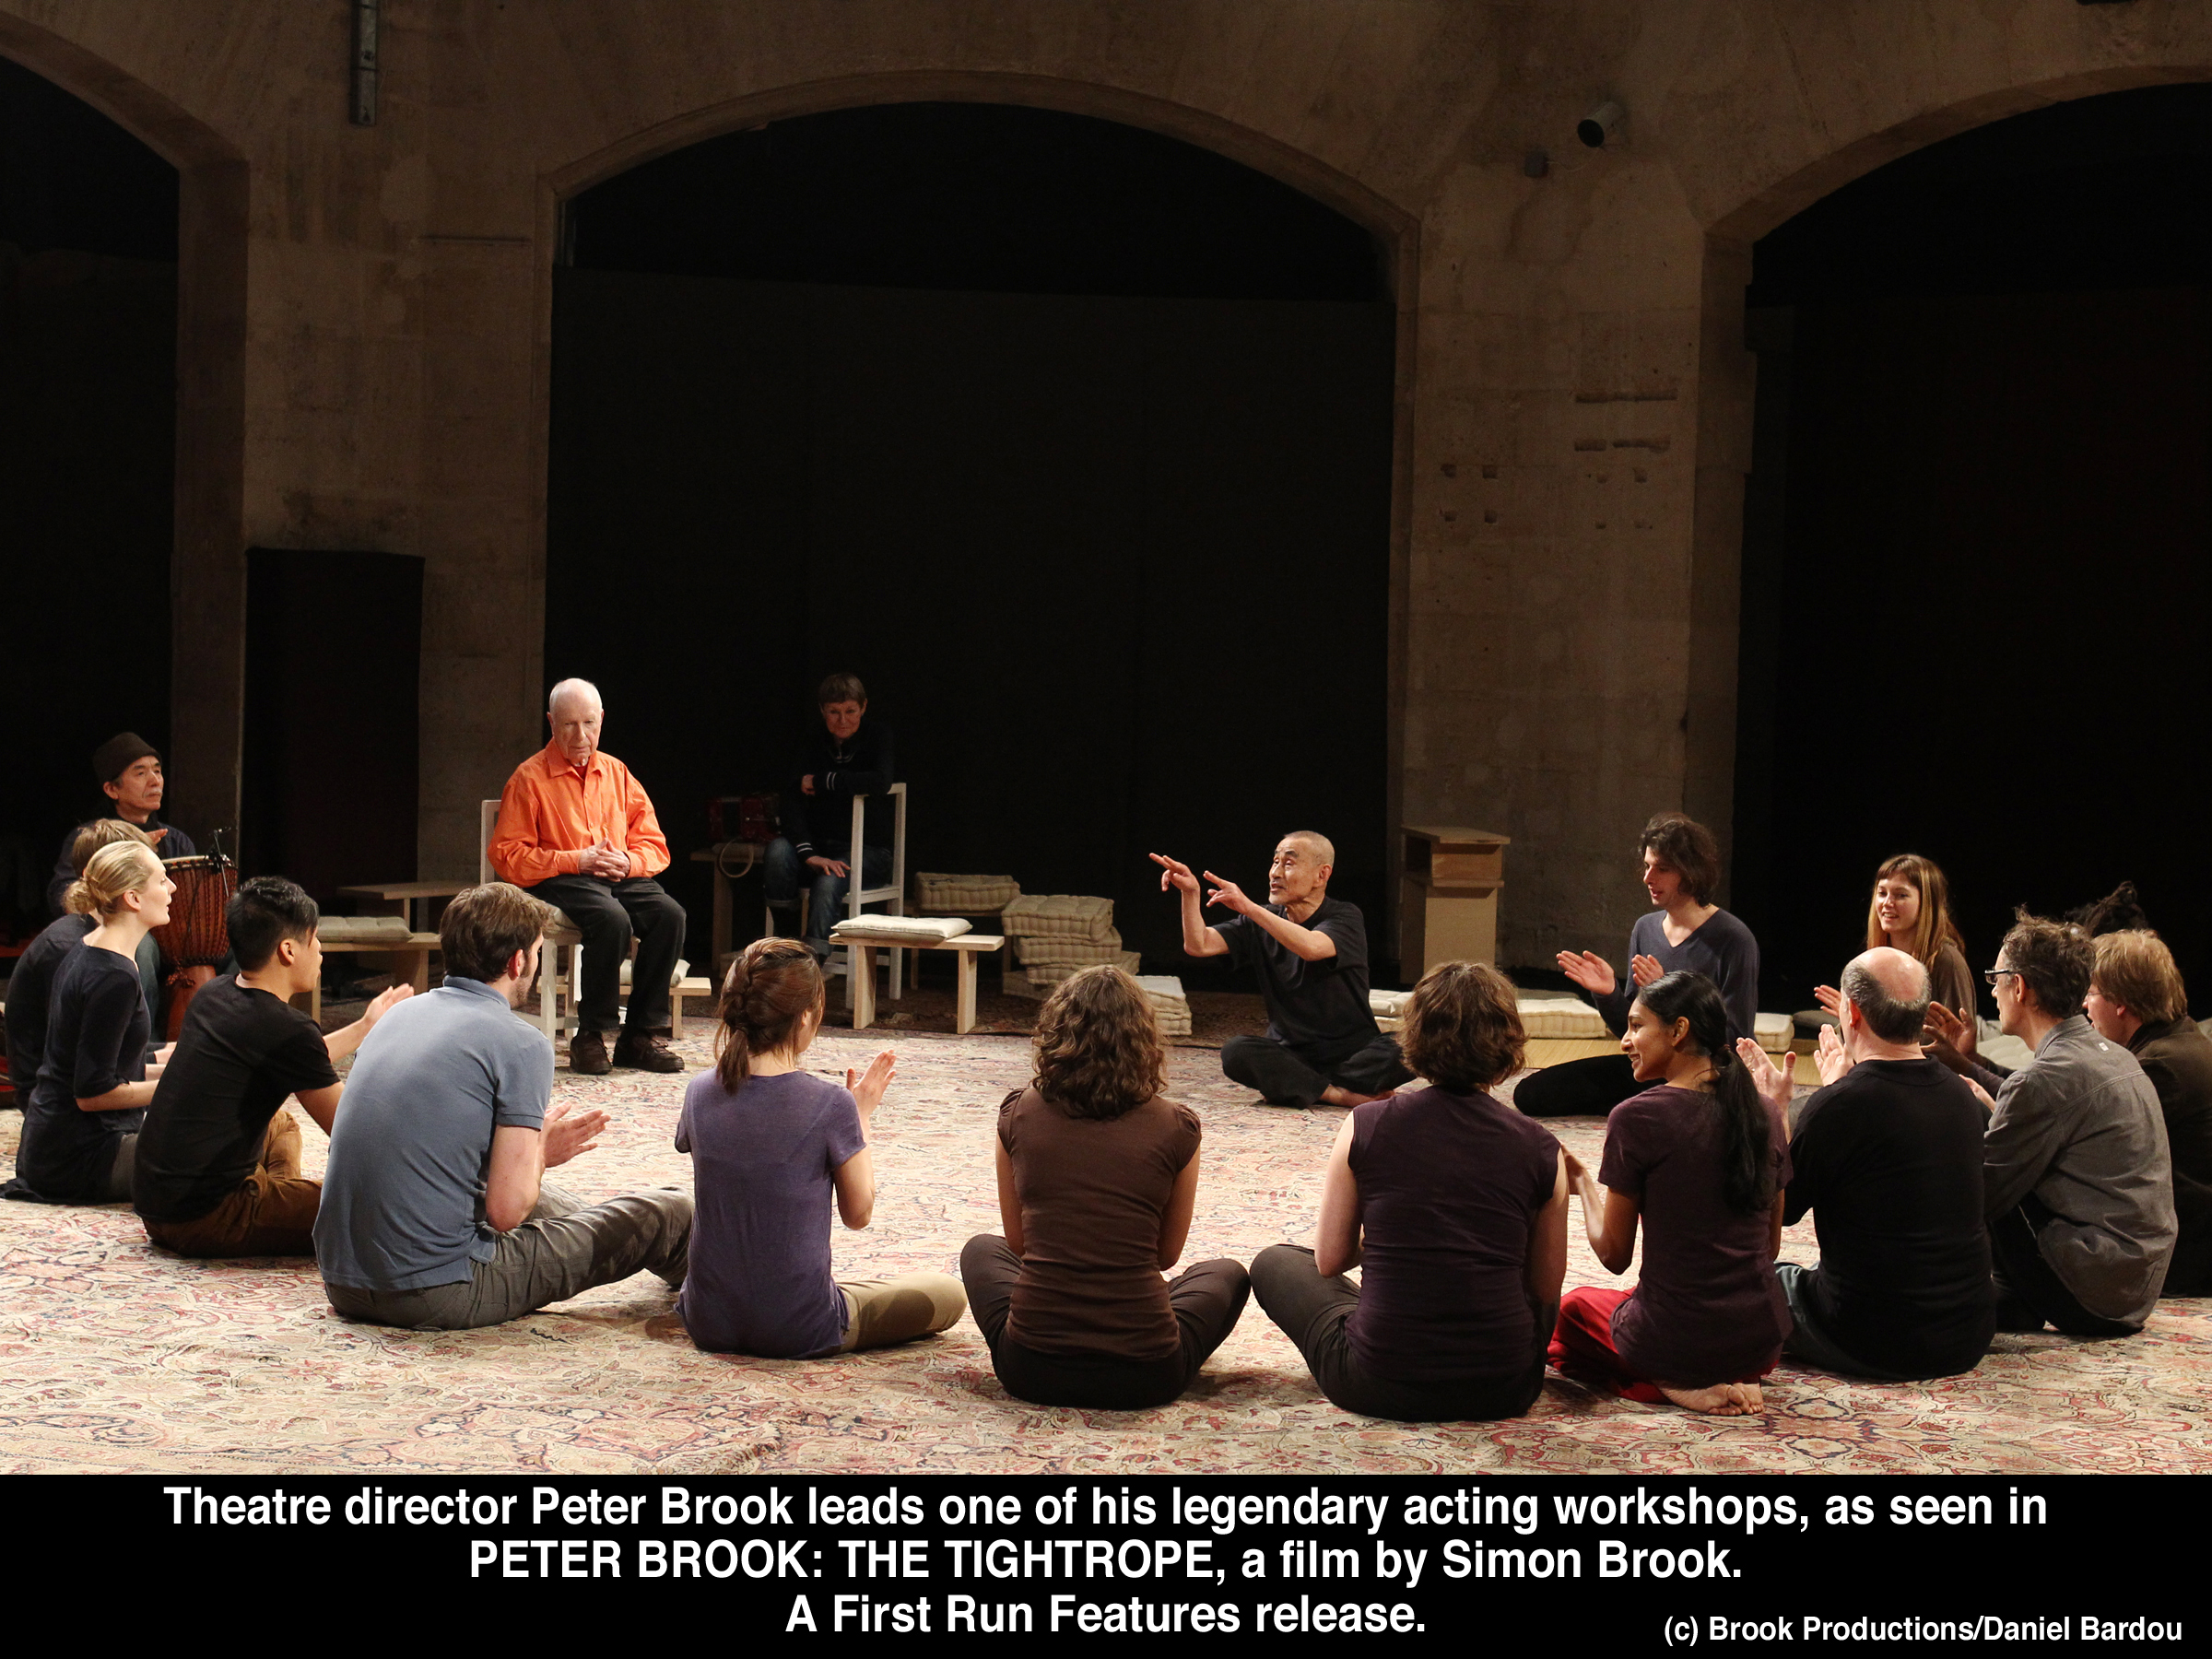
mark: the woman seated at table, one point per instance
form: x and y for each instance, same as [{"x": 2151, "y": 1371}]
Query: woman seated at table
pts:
[
  {"x": 771, "y": 1144},
  {"x": 1454, "y": 1208},
  {"x": 1701, "y": 1162},
  {"x": 1098, "y": 1176},
  {"x": 80, "y": 1125}
]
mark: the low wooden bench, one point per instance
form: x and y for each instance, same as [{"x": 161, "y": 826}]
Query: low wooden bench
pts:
[
  {"x": 677, "y": 993},
  {"x": 410, "y": 954},
  {"x": 860, "y": 985}
]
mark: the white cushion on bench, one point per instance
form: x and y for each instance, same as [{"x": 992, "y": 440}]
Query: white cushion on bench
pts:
[{"x": 922, "y": 930}]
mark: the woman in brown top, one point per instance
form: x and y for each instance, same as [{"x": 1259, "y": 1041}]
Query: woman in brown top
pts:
[
  {"x": 1097, "y": 1175},
  {"x": 1911, "y": 911}
]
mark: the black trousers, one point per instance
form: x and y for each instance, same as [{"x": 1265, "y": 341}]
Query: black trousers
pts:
[
  {"x": 2030, "y": 1292},
  {"x": 1206, "y": 1300},
  {"x": 609, "y": 915},
  {"x": 1288, "y": 1076},
  {"x": 1589, "y": 1088},
  {"x": 1313, "y": 1311}
]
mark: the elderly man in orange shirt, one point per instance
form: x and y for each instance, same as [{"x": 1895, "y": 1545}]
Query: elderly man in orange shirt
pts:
[{"x": 577, "y": 831}]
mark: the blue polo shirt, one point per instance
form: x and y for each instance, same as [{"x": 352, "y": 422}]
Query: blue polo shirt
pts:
[{"x": 403, "y": 1202}]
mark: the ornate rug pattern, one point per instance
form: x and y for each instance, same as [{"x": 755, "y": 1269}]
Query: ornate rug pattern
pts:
[{"x": 114, "y": 1356}]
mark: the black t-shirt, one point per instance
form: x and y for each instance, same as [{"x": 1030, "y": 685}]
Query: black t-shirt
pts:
[
  {"x": 96, "y": 1032},
  {"x": 1888, "y": 1160},
  {"x": 240, "y": 1052},
  {"x": 1319, "y": 1006},
  {"x": 29, "y": 991}
]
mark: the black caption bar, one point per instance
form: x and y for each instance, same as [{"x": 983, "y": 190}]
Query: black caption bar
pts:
[{"x": 1678, "y": 1562}]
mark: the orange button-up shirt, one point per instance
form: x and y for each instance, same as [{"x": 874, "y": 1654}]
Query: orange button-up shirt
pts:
[{"x": 548, "y": 810}]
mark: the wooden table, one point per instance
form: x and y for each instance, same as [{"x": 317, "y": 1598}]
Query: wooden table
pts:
[
  {"x": 860, "y": 985},
  {"x": 754, "y": 855},
  {"x": 404, "y": 896},
  {"x": 410, "y": 954}
]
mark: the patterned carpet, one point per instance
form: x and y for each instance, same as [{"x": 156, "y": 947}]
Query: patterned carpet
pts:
[{"x": 116, "y": 1357}]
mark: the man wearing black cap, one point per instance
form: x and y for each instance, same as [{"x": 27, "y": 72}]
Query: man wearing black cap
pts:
[{"x": 129, "y": 770}]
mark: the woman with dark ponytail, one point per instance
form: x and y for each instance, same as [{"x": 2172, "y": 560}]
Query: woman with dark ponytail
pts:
[
  {"x": 1702, "y": 1162},
  {"x": 771, "y": 1146}
]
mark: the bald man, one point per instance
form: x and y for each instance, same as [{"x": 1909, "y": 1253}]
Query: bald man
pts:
[
  {"x": 1886, "y": 1155},
  {"x": 1310, "y": 952},
  {"x": 578, "y": 831}
]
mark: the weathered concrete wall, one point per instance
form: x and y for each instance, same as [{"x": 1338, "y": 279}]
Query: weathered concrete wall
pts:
[{"x": 1576, "y": 419}]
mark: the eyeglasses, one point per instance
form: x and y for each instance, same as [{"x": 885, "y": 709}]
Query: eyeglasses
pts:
[{"x": 1994, "y": 974}]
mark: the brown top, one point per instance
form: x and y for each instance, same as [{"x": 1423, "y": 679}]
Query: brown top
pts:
[
  {"x": 1094, "y": 1197},
  {"x": 1951, "y": 982}
]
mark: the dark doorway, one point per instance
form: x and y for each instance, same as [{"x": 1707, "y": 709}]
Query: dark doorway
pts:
[
  {"x": 88, "y": 422},
  {"x": 1979, "y": 533},
  {"x": 313, "y": 739},
  {"x": 1072, "y": 441}
]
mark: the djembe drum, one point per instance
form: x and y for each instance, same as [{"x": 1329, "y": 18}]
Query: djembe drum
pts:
[{"x": 194, "y": 936}]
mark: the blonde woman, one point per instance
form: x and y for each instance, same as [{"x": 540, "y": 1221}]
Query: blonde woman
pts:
[
  {"x": 81, "y": 1127},
  {"x": 31, "y": 989},
  {"x": 1911, "y": 911}
]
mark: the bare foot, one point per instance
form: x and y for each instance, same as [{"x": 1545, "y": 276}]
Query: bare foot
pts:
[
  {"x": 1334, "y": 1096},
  {"x": 1723, "y": 1399}
]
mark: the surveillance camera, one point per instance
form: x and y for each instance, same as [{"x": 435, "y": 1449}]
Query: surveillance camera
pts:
[{"x": 1600, "y": 124}]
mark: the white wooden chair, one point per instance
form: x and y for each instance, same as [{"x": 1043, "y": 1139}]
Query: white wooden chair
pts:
[
  {"x": 562, "y": 935},
  {"x": 891, "y": 895}
]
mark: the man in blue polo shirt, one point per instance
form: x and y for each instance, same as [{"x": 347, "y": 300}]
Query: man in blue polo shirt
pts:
[{"x": 434, "y": 1211}]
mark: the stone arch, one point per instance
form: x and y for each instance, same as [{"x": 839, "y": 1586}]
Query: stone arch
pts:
[
  {"x": 1727, "y": 377},
  {"x": 207, "y": 572},
  {"x": 1396, "y": 229}
]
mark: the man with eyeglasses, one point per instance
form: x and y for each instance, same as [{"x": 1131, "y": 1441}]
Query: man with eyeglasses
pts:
[{"x": 2077, "y": 1179}]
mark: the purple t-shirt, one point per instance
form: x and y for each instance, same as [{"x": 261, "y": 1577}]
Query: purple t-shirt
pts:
[
  {"x": 762, "y": 1162},
  {"x": 1450, "y": 1187},
  {"x": 1708, "y": 1308}
]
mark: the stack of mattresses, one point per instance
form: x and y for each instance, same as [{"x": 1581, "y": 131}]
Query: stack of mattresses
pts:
[
  {"x": 937, "y": 894},
  {"x": 1055, "y": 934},
  {"x": 1560, "y": 1014},
  {"x": 1164, "y": 991},
  {"x": 1388, "y": 1008}
]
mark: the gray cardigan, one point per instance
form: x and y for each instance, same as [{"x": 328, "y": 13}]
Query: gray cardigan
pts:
[{"x": 2079, "y": 1126}]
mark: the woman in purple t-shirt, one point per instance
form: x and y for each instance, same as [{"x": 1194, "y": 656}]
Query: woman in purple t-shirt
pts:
[
  {"x": 1454, "y": 1208},
  {"x": 1702, "y": 1162},
  {"x": 771, "y": 1146}
]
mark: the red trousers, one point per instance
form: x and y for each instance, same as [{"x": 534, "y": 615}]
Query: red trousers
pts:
[{"x": 1582, "y": 1345}]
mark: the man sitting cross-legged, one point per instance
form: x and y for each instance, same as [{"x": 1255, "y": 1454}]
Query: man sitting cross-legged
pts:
[
  {"x": 435, "y": 1215},
  {"x": 1886, "y": 1155},
  {"x": 217, "y": 1170},
  {"x": 1310, "y": 951},
  {"x": 2076, "y": 1176}
]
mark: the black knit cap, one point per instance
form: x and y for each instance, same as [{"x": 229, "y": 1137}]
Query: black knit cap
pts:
[{"x": 112, "y": 757}]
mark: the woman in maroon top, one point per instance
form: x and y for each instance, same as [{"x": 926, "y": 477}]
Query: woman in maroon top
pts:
[
  {"x": 1098, "y": 1176},
  {"x": 1454, "y": 1208},
  {"x": 1702, "y": 1162}
]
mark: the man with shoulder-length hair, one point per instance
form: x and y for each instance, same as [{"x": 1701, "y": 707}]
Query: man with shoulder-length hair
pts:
[
  {"x": 435, "y": 1212},
  {"x": 1310, "y": 952},
  {"x": 578, "y": 831},
  {"x": 2077, "y": 1177},
  {"x": 2136, "y": 997}
]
